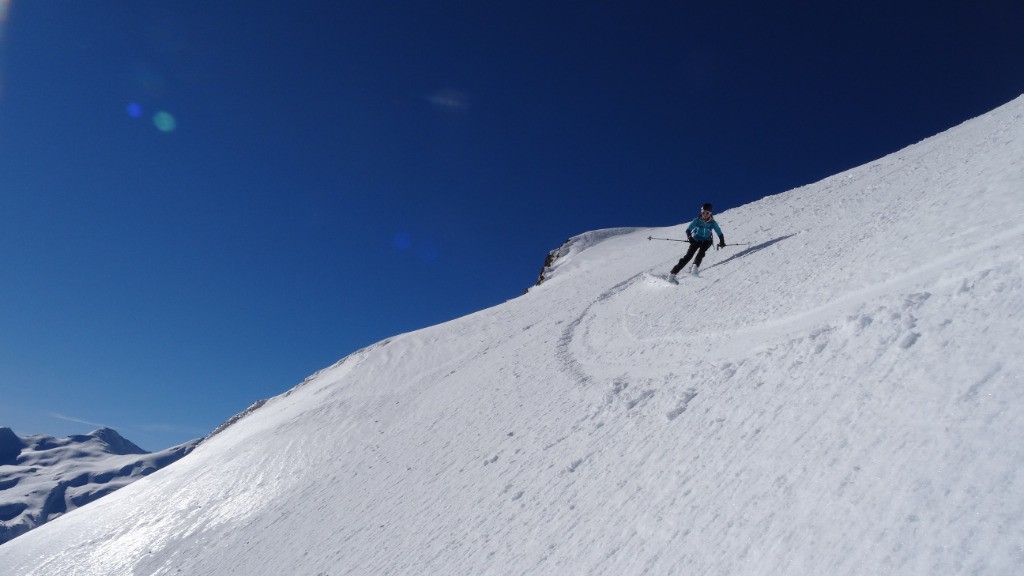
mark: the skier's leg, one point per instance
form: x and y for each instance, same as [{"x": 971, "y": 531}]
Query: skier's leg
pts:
[
  {"x": 700, "y": 254},
  {"x": 685, "y": 259}
]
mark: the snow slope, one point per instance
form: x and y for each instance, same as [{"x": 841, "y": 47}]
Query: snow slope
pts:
[
  {"x": 42, "y": 477},
  {"x": 842, "y": 397}
]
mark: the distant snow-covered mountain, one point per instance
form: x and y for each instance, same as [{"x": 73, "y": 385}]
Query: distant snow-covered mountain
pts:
[
  {"x": 42, "y": 477},
  {"x": 842, "y": 397}
]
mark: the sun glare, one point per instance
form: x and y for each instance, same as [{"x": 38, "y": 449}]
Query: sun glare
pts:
[{"x": 5, "y": 9}]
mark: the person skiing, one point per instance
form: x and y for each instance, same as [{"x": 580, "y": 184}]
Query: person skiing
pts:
[{"x": 698, "y": 233}]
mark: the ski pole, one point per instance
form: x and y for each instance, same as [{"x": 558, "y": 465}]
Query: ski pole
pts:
[
  {"x": 717, "y": 247},
  {"x": 669, "y": 239},
  {"x": 677, "y": 240}
]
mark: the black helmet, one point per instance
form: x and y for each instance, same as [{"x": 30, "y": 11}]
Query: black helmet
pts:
[{"x": 707, "y": 207}]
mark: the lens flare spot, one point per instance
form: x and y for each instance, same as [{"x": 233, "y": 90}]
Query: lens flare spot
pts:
[
  {"x": 134, "y": 110},
  {"x": 402, "y": 241},
  {"x": 164, "y": 122},
  {"x": 427, "y": 253}
]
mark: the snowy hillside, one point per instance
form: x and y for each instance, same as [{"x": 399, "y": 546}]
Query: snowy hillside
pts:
[
  {"x": 844, "y": 397},
  {"x": 42, "y": 477}
]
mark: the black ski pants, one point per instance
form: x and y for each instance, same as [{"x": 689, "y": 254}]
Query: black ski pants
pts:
[{"x": 698, "y": 248}]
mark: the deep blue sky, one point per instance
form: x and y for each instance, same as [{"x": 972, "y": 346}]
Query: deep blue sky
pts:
[{"x": 332, "y": 173}]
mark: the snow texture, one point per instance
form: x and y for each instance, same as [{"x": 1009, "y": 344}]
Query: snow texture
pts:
[
  {"x": 42, "y": 477},
  {"x": 842, "y": 397}
]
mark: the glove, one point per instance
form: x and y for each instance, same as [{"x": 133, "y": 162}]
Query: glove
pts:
[
  {"x": 721, "y": 242},
  {"x": 689, "y": 237}
]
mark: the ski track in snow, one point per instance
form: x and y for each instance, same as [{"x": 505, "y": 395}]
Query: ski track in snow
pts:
[{"x": 583, "y": 347}]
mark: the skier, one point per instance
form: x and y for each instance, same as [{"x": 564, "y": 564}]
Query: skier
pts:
[{"x": 698, "y": 233}]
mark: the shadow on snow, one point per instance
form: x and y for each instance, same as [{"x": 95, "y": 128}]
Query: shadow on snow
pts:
[{"x": 753, "y": 249}]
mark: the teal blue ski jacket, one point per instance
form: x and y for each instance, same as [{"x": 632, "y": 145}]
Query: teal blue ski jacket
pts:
[{"x": 700, "y": 230}]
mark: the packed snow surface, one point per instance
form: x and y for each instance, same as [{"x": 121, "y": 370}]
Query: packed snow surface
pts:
[{"x": 844, "y": 396}]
